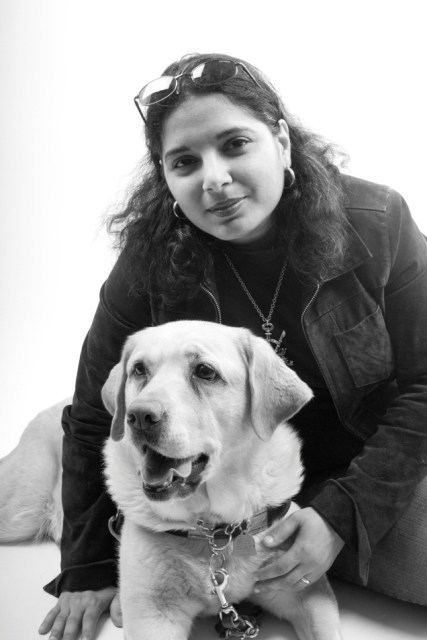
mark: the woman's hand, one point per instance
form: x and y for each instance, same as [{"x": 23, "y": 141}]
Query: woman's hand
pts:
[
  {"x": 78, "y": 612},
  {"x": 303, "y": 545}
]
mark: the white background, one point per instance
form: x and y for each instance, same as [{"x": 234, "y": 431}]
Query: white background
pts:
[{"x": 71, "y": 138}]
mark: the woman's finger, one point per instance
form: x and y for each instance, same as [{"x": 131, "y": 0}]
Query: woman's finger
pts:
[
  {"x": 49, "y": 619},
  {"x": 90, "y": 620},
  {"x": 72, "y": 626},
  {"x": 281, "y": 581},
  {"x": 57, "y": 630},
  {"x": 281, "y": 533},
  {"x": 116, "y": 611},
  {"x": 280, "y": 563}
]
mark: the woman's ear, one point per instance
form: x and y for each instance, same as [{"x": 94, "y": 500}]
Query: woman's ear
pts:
[{"x": 285, "y": 142}]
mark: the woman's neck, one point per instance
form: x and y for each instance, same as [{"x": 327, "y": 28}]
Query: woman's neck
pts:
[{"x": 268, "y": 241}]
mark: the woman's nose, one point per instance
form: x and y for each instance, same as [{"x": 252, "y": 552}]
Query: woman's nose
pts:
[{"x": 216, "y": 174}]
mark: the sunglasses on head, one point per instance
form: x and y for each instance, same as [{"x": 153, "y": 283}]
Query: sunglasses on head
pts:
[{"x": 206, "y": 74}]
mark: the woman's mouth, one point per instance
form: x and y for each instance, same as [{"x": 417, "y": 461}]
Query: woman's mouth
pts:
[{"x": 225, "y": 208}]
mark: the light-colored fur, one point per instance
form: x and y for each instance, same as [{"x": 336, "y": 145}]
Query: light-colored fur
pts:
[
  {"x": 30, "y": 481},
  {"x": 238, "y": 418}
]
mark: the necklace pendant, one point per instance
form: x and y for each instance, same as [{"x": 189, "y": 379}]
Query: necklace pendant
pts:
[
  {"x": 267, "y": 327},
  {"x": 282, "y": 354},
  {"x": 279, "y": 350}
]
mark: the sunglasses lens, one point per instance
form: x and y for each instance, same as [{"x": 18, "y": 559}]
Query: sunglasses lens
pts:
[
  {"x": 214, "y": 72},
  {"x": 157, "y": 90}
]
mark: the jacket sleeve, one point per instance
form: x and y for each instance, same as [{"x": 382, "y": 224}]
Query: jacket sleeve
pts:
[
  {"x": 369, "y": 498},
  {"x": 87, "y": 547}
]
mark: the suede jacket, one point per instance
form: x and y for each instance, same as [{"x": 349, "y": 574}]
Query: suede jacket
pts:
[{"x": 366, "y": 324}]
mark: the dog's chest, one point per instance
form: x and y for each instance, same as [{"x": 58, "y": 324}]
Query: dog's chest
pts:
[
  {"x": 238, "y": 571},
  {"x": 180, "y": 569}
]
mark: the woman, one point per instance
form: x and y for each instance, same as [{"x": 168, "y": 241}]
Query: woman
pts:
[{"x": 242, "y": 217}]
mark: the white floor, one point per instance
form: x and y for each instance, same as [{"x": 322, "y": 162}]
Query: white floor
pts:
[{"x": 23, "y": 604}]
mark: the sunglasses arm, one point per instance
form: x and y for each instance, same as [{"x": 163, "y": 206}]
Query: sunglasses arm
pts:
[{"x": 136, "y": 101}]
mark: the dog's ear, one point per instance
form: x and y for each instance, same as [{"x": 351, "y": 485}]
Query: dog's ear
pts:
[
  {"x": 277, "y": 393},
  {"x": 113, "y": 393}
]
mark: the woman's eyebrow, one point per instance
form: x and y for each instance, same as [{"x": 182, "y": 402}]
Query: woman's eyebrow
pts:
[
  {"x": 174, "y": 151},
  {"x": 233, "y": 131},
  {"x": 219, "y": 136}
]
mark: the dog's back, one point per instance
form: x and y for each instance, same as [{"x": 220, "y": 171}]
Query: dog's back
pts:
[{"x": 30, "y": 481}]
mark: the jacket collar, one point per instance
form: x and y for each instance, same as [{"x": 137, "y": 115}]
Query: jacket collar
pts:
[
  {"x": 356, "y": 254},
  {"x": 206, "y": 305}
]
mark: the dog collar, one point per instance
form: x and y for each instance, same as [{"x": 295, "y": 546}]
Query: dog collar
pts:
[{"x": 258, "y": 522}]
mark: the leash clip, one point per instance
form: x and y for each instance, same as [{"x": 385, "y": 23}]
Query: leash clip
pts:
[
  {"x": 233, "y": 624},
  {"x": 220, "y": 586}
]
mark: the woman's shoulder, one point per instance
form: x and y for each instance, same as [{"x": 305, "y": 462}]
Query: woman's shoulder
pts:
[
  {"x": 376, "y": 211},
  {"x": 119, "y": 297},
  {"x": 381, "y": 219},
  {"x": 365, "y": 195}
]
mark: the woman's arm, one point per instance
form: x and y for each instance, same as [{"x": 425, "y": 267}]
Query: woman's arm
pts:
[
  {"x": 87, "y": 547},
  {"x": 362, "y": 504}
]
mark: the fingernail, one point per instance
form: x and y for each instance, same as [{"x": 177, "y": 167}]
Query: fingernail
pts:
[
  {"x": 257, "y": 590},
  {"x": 268, "y": 540}
]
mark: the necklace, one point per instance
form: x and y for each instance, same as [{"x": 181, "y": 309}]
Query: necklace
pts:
[{"x": 267, "y": 326}]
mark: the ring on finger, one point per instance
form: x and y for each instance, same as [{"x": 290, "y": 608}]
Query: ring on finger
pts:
[{"x": 305, "y": 580}]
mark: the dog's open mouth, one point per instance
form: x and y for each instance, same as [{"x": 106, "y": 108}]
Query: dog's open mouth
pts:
[{"x": 164, "y": 478}]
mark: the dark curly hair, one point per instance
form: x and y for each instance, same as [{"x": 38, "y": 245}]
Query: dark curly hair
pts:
[{"x": 170, "y": 258}]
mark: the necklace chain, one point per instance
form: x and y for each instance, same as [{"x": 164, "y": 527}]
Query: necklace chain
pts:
[{"x": 267, "y": 325}]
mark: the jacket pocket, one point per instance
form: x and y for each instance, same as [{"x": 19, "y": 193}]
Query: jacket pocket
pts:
[{"x": 367, "y": 350}]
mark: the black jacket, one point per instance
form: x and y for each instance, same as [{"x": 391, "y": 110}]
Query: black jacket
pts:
[{"x": 366, "y": 324}]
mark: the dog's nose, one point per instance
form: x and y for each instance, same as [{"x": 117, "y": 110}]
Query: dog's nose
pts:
[{"x": 145, "y": 416}]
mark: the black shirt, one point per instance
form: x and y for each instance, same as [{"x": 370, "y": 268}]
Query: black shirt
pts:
[{"x": 327, "y": 445}]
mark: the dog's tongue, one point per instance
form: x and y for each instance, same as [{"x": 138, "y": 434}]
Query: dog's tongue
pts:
[
  {"x": 183, "y": 468},
  {"x": 159, "y": 469}
]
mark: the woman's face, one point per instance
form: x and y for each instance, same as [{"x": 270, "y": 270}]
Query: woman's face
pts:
[{"x": 224, "y": 167}]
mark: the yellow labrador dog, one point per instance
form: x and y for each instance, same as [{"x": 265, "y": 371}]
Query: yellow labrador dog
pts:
[{"x": 199, "y": 448}]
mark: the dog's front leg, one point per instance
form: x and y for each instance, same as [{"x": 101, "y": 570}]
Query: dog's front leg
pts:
[
  {"x": 155, "y": 627},
  {"x": 313, "y": 612},
  {"x": 148, "y": 617},
  {"x": 158, "y": 601}
]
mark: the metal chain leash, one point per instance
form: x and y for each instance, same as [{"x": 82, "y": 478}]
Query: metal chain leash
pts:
[{"x": 233, "y": 625}]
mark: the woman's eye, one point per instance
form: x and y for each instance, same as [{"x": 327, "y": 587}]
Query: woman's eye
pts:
[
  {"x": 184, "y": 163},
  {"x": 205, "y": 372},
  {"x": 139, "y": 369},
  {"x": 237, "y": 144}
]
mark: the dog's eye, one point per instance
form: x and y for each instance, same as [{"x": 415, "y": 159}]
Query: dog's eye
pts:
[
  {"x": 139, "y": 369},
  {"x": 205, "y": 372}
]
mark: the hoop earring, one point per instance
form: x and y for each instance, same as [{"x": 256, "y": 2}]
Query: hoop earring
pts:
[
  {"x": 177, "y": 210},
  {"x": 292, "y": 178}
]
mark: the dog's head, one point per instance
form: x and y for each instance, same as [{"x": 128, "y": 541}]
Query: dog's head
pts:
[{"x": 187, "y": 394}]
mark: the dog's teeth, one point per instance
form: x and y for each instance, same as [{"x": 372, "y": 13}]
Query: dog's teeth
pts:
[{"x": 162, "y": 487}]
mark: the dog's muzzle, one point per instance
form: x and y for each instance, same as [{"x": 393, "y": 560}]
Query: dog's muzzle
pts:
[
  {"x": 148, "y": 424},
  {"x": 165, "y": 478}
]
